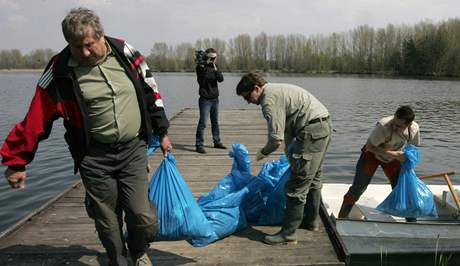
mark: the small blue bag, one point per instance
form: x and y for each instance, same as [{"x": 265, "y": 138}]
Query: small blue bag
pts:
[
  {"x": 411, "y": 197},
  {"x": 179, "y": 215}
]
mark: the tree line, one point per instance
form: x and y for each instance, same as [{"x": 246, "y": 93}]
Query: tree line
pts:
[
  {"x": 425, "y": 49},
  {"x": 14, "y": 59}
]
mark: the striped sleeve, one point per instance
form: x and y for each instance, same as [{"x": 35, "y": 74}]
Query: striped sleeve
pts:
[
  {"x": 154, "y": 100},
  {"x": 138, "y": 62},
  {"x": 21, "y": 143}
]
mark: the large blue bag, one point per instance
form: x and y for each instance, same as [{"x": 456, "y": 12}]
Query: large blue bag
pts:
[
  {"x": 225, "y": 216},
  {"x": 237, "y": 179},
  {"x": 273, "y": 214},
  {"x": 179, "y": 215},
  {"x": 240, "y": 157},
  {"x": 261, "y": 186},
  {"x": 411, "y": 197}
]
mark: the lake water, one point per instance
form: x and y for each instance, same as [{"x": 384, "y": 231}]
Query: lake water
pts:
[{"x": 355, "y": 105}]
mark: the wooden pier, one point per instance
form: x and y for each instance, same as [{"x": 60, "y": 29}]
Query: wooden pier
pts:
[{"x": 60, "y": 233}]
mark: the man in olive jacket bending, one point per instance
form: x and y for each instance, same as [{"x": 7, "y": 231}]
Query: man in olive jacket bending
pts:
[{"x": 299, "y": 119}]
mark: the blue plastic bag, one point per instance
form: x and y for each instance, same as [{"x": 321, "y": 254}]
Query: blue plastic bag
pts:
[
  {"x": 240, "y": 157},
  {"x": 411, "y": 197},
  {"x": 261, "y": 186},
  {"x": 154, "y": 144},
  {"x": 237, "y": 179},
  {"x": 254, "y": 202},
  {"x": 273, "y": 214},
  {"x": 179, "y": 215},
  {"x": 275, "y": 170},
  {"x": 225, "y": 216}
]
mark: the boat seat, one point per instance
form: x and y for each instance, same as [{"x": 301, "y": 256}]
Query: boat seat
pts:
[
  {"x": 366, "y": 207},
  {"x": 371, "y": 214}
]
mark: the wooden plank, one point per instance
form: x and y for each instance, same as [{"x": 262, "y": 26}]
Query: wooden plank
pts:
[
  {"x": 62, "y": 233},
  {"x": 36, "y": 212}
]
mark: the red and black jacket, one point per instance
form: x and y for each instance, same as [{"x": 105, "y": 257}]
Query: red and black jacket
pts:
[{"x": 58, "y": 95}]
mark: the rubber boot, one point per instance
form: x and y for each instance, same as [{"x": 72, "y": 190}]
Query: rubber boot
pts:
[
  {"x": 345, "y": 209},
  {"x": 311, "y": 219},
  {"x": 292, "y": 220}
]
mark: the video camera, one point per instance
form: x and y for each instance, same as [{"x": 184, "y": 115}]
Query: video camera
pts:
[{"x": 201, "y": 57}]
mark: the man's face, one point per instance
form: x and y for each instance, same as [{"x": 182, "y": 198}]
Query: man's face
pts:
[
  {"x": 252, "y": 96},
  {"x": 212, "y": 58},
  {"x": 399, "y": 125},
  {"x": 88, "y": 51}
]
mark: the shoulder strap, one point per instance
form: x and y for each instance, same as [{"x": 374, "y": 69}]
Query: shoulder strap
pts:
[{"x": 408, "y": 131}]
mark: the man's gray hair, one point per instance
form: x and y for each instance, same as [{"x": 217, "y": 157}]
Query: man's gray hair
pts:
[{"x": 76, "y": 22}]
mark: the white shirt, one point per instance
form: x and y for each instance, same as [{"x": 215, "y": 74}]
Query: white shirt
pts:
[{"x": 384, "y": 137}]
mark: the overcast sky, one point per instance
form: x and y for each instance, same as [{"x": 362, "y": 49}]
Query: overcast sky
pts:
[{"x": 31, "y": 24}]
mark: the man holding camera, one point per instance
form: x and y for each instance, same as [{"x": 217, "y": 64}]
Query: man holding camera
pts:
[{"x": 208, "y": 75}]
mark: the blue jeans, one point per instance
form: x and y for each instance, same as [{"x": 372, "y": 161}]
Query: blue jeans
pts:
[{"x": 208, "y": 106}]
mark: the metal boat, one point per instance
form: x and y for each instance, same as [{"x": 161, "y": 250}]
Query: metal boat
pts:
[{"x": 371, "y": 237}]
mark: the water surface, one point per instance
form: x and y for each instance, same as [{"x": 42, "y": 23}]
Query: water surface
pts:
[{"x": 355, "y": 105}]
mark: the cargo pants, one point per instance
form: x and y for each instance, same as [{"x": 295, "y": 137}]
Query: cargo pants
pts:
[
  {"x": 116, "y": 183},
  {"x": 365, "y": 170},
  {"x": 303, "y": 189}
]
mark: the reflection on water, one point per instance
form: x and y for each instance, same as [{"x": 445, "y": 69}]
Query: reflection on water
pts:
[{"x": 356, "y": 104}]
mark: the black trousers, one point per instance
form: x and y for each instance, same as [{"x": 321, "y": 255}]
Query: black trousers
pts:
[{"x": 116, "y": 183}]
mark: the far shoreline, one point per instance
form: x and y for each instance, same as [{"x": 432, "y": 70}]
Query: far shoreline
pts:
[
  {"x": 16, "y": 70},
  {"x": 292, "y": 74}
]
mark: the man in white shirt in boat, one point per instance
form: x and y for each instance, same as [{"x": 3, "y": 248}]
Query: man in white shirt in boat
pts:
[{"x": 383, "y": 148}]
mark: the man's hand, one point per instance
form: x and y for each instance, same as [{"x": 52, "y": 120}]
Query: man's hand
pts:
[
  {"x": 260, "y": 155},
  {"x": 286, "y": 151},
  {"x": 16, "y": 179},
  {"x": 166, "y": 145},
  {"x": 397, "y": 155}
]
